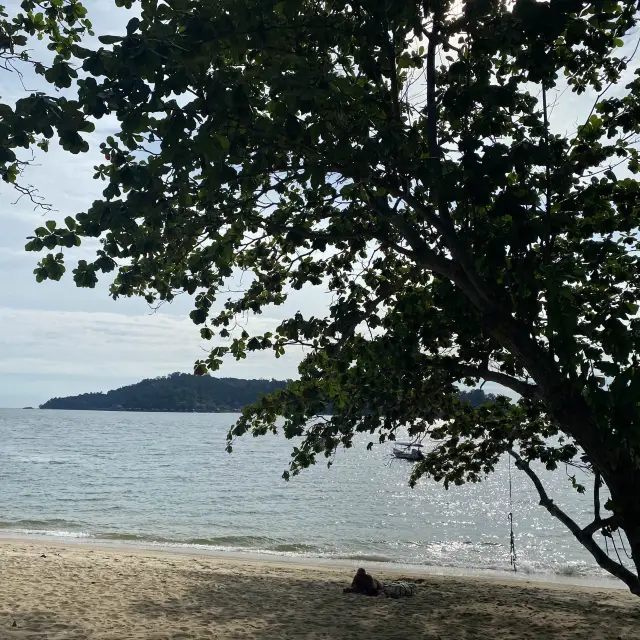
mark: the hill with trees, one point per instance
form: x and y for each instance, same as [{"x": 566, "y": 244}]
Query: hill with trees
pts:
[
  {"x": 184, "y": 392},
  {"x": 175, "y": 392}
]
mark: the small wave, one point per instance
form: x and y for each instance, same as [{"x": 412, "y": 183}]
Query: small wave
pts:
[
  {"x": 55, "y": 533},
  {"x": 78, "y": 499},
  {"x": 252, "y": 543},
  {"x": 126, "y": 537},
  {"x": 66, "y": 529},
  {"x": 38, "y": 459},
  {"x": 575, "y": 571},
  {"x": 54, "y": 528},
  {"x": 50, "y": 533},
  {"x": 295, "y": 548},
  {"x": 39, "y": 524},
  {"x": 256, "y": 544},
  {"x": 365, "y": 557},
  {"x": 243, "y": 542},
  {"x": 568, "y": 571}
]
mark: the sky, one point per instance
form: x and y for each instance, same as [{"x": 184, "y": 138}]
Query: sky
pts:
[{"x": 57, "y": 340}]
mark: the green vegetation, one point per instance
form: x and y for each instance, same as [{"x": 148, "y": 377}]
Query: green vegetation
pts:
[
  {"x": 186, "y": 392},
  {"x": 35, "y": 119},
  {"x": 402, "y": 155},
  {"x": 175, "y": 392}
]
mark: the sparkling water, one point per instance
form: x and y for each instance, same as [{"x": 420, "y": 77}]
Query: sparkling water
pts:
[{"x": 165, "y": 479}]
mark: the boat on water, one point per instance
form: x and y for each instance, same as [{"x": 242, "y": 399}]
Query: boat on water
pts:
[{"x": 408, "y": 451}]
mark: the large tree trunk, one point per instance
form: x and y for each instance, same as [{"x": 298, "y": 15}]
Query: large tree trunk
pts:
[
  {"x": 624, "y": 485},
  {"x": 585, "y": 535},
  {"x": 607, "y": 452},
  {"x": 633, "y": 535},
  {"x": 617, "y": 467}
]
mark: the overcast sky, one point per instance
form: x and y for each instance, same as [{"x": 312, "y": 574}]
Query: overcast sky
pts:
[{"x": 58, "y": 340}]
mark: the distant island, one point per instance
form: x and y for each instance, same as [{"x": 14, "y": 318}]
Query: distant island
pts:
[{"x": 183, "y": 392}]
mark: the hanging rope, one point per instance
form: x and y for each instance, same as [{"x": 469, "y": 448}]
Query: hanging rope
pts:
[
  {"x": 512, "y": 540},
  {"x": 626, "y": 553}
]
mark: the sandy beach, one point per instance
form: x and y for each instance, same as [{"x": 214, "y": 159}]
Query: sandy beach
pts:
[{"x": 63, "y": 592}]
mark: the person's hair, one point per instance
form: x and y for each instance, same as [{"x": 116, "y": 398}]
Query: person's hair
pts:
[{"x": 361, "y": 571}]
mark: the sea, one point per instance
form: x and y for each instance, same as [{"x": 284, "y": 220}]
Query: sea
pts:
[{"x": 165, "y": 481}]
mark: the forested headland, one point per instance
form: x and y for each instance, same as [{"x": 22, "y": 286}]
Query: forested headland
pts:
[
  {"x": 189, "y": 393},
  {"x": 175, "y": 392}
]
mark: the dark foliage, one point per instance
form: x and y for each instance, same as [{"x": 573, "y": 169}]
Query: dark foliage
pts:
[
  {"x": 37, "y": 118},
  {"x": 188, "y": 393}
]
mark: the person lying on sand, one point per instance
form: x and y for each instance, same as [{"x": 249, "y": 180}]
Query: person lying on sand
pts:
[{"x": 364, "y": 583}]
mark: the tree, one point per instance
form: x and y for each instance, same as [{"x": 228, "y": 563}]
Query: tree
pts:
[
  {"x": 402, "y": 155},
  {"x": 33, "y": 120}
]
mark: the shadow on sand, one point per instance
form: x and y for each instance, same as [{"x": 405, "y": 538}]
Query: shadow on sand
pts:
[{"x": 445, "y": 608}]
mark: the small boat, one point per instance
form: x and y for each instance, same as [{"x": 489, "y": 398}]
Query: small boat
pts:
[{"x": 408, "y": 451}]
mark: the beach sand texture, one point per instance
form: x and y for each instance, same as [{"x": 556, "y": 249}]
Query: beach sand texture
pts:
[{"x": 78, "y": 592}]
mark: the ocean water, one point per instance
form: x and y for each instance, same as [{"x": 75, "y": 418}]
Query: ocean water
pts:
[{"x": 165, "y": 479}]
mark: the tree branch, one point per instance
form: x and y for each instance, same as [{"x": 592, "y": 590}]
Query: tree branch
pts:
[
  {"x": 599, "y": 524},
  {"x": 522, "y": 388},
  {"x": 584, "y": 536},
  {"x": 442, "y": 221},
  {"x": 550, "y": 238},
  {"x": 421, "y": 253},
  {"x": 432, "y": 109}
]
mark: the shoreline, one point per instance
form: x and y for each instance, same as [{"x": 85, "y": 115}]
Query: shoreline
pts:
[
  {"x": 57, "y": 591},
  {"x": 309, "y": 561}
]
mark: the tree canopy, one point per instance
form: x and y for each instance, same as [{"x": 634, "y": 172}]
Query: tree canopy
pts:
[
  {"x": 402, "y": 155},
  {"x": 32, "y": 121}
]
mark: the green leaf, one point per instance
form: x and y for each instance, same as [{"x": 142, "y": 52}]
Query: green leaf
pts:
[
  {"x": 110, "y": 39},
  {"x": 224, "y": 142},
  {"x": 132, "y": 26},
  {"x": 199, "y": 316}
]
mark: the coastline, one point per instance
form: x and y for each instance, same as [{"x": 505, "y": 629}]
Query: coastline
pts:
[
  {"x": 311, "y": 561},
  {"x": 60, "y": 591}
]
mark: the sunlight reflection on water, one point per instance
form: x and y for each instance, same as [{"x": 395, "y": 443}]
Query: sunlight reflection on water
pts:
[{"x": 165, "y": 477}]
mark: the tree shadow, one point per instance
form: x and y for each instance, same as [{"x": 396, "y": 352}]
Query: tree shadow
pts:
[{"x": 287, "y": 606}]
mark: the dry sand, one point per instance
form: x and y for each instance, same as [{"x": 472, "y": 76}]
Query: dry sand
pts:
[{"x": 86, "y": 592}]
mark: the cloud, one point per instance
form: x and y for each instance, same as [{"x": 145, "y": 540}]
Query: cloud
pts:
[
  {"x": 104, "y": 344},
  {"x": 13, "y": 255},
  {"x": 79, "y": 351}
]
